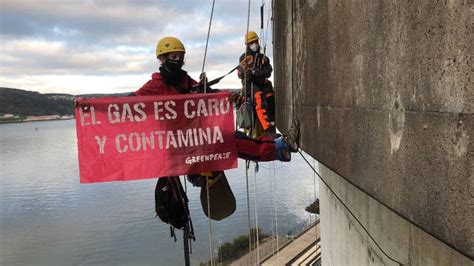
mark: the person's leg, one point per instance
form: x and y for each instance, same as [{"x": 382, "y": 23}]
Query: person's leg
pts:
[
  {"x": 263, "y": 149},
  {"x": 261, "y": 109},
  {"x": 269, "y": 94},
  {"x": 282, "y": 150}
]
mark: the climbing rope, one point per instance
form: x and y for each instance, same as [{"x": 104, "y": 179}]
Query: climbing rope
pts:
[
  {"x": 209, "y": 220},
  {"x": 276, "y": 218},
  {"x": 204, "y": 78},
  {"x": 246, "y": 33},
  {"x": 252, "y": 116},
  {"x": 207, "y": 39},
  {"x": 262, "y": 31},
  {"x": 274, "y": 223},
  {"x": 247, "y": 162},
  {"x": 257, "y": 245},
  {"x": 293, "y": 65},
  {"x": 248, "y": 205},
  {"x": 270, "y": 11},
  {"x": 315, "y": 196},
  {"x": 271, "y": 209}
]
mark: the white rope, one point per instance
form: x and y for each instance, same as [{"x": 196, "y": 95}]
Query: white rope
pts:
[
  {"x": 276, "y": 221},
  {"x": 207, "y": 178},
  {"x": 257, "y": 245},
  {"x": 248, "y": 22},
  {"x": 209, "y": 220},
  {"x": 265, "y": 39},
  {"x": 208, "y": 34},
  {"x": 271, "y": 209},
  {"x": 246, "y": 33},
  {"x": 247, "y": 163},
  {"x": 315, "y": 198},
  {"x": 248, "y": 208},
  {"x": 262, "y": 30},
  {"x": 315, "y": 181}
]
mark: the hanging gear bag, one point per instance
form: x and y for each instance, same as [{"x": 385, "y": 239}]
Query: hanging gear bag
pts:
[
  {"x": 171, "y": 203},
  {"x": 222, "y": 201},
  {"x": 244, "y": 115}
]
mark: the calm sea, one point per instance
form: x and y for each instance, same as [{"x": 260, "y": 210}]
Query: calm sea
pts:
[{"x": 48, "y": 218}]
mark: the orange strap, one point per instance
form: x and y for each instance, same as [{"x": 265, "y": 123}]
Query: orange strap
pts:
[{"x": 261, "y": 113}]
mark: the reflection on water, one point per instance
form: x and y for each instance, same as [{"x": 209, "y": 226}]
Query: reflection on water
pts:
[{"x": 48, "y": 218}]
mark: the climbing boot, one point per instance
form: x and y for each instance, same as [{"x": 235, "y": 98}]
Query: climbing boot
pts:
[
  {"x": 282, "y": 150},
  {"x": 284, "y": 155}
]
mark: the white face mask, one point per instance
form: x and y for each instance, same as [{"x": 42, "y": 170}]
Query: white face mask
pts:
[{"x": 254, "y": 47}]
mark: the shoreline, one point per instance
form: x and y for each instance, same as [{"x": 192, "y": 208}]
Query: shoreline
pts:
[{"x": 34, "y": 119}]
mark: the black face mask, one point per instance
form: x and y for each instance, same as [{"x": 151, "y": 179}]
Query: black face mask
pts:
[
  {"x": 173, "y": 65},
  {"x": 173, "y": 78}
]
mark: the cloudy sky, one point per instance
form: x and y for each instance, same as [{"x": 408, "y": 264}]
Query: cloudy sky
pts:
[{"x": 108, "y": 46}]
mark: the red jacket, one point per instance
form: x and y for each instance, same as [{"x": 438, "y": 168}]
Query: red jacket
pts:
[
  {"x": 259, "y": 150},
  {"x": 157, "y": 86}
]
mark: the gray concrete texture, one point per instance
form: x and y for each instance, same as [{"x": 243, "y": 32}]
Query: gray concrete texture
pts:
[
  {"x": 384, "y": 94},
  {"x": 345, "y": 242}
]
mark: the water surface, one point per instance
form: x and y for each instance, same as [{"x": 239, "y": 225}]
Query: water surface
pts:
[{"x": 48, "y": 218}]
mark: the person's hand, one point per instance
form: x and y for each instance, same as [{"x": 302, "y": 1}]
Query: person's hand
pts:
[
  {"x": 247, "y": 63},
  {"x": 200, "y": 86},
  {"x": 203, "y": 78}
]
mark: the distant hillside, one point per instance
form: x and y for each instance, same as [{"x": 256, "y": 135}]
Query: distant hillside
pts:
[
  {"x": 21, "y": 102},
  {"x": 30, "y": 103}
]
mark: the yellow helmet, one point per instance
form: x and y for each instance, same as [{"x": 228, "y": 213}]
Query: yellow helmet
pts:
[
  {"x": 168, "y": 45},
  {"x": 251, "y": 36}
]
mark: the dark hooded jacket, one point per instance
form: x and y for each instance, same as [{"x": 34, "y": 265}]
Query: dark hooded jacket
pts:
[{"x": 259, "y": 63}]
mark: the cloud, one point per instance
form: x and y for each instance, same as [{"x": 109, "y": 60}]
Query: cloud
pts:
[
  {"x": 50, "y": 45},
  {"x": 52, "y": 57},
  {"x": 76, "y": 84}
]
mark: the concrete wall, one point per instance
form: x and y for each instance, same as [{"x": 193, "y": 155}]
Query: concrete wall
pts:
[
  {"x": 344, "y": 242},
  {"x": 384, "y": 94}
]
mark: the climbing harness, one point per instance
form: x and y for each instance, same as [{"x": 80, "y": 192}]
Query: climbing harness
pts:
[{"x": 214, "y": 81}]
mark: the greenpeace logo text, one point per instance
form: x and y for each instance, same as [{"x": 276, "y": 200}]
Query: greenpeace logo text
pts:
[{"x": 206, "y": 158}]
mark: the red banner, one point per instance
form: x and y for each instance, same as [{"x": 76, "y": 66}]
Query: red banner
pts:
[{"x": 131, "y": 138}]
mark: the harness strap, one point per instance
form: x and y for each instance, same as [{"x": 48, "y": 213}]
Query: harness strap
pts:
[{"x": 212, "y": 82}]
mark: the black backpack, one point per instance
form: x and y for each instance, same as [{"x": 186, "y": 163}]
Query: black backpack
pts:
[{"x": 171, "y": 203}]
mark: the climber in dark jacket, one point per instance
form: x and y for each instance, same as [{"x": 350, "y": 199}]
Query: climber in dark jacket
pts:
[{"x": 254, "y": 71}]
